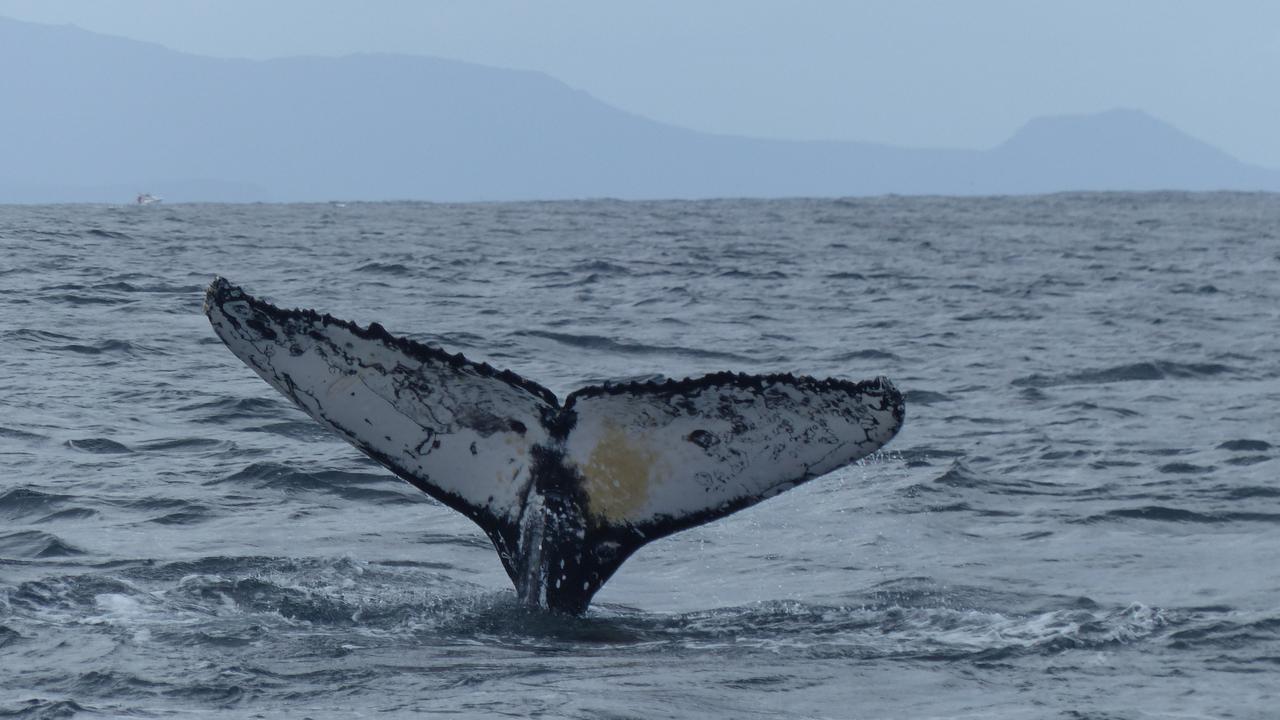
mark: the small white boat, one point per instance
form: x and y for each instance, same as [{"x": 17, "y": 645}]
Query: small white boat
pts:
[{"x": 147, "y": 199}]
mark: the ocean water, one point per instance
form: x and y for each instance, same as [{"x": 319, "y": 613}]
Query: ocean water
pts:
[{"x": 1080, "y": 519}]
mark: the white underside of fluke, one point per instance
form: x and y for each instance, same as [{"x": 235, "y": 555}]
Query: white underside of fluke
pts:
[
  {"x": 649, "y": 456},
  {"x": 451, "y": 427}
]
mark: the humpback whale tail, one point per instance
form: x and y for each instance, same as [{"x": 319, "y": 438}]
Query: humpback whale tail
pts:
[{"x": 565, "y": 491}]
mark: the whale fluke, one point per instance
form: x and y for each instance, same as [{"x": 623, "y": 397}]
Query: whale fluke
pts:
[{"x": 565, "y": 491}]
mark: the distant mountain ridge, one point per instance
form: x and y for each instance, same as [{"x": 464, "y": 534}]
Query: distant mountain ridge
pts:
[{"x": 93, "y": 118}]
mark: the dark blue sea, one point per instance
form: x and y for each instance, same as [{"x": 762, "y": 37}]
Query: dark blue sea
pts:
[{"x": 1080, "y": 519}]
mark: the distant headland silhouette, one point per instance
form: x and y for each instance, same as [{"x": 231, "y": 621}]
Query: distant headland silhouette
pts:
[{"x": 93, "y": 118}]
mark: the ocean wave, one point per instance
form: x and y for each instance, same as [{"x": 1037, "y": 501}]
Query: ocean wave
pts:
[
  {"x": 159, "y": 287},
  {"x": 588, "y": 279},
  {"x": 8, "y": 636},
  {"x": 15, "y": 434},
  {"x": 754, "y": 274},
  {"x": 890, "y": 631},
  {"x": 304, "y": 430},
  {"x": 106, "y": 346},
  {"x": 1162, "y": 513},
  {"x": 194, "y": 515},
  {"x": 315, "y": 592},
  {"x": 362, "y": 487},
  {"x": 1193, "y": 289},
  {"x": 869, "y": 354},
  {"x": 35, "y": 335},
  {"x": 42, "y": 709},
  {"x": 112, "y": 234},
  {"x": 71, "y": 513},
  {"x": 960, "y": 475},
  {"x": 227, "y": 409},
  {"x": 396, "y": 269},
  {"x": 108, "y": 684},
  {"x": 23, "y": 501},
  {"x": 1245, "y": 445},
  {"x": 1250, "y": 491},
  {"x": 157, "y": 502},
  {"x": 604, "y": 344},
  {"x": 1183, "y": 468},
  {"x": 1241, "y": 460},
  {"x": 181, "y": 444},
  {"x": 1142, "y": 371},
  {"x": 999, "y": 316},
  {"x": 1231, "y": 632},
  {"x": 34, "y": 545},
  {"x": 214, "y": 565},
  {"x": 1088, "y": 406},
  {"x": 78, "y": 299},
  {"x": 98, "y": 446},
  {"x": 599, "y": 267},
  {"x": 218, "y": 600}
]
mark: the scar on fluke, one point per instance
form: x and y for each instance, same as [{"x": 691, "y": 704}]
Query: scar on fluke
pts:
[{"x": 566, "y": 491}]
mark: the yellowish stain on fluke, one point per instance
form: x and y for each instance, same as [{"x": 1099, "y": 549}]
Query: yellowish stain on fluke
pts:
[
  {"x": 617, "y": 475},
  {"x": 515, "y": 442}
]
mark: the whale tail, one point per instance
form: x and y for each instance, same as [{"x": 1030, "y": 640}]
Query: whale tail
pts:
[{"x": 565, "y": 491}]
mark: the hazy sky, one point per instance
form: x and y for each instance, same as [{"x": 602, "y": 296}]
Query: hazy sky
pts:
[{"x": 947, "y": 74}]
